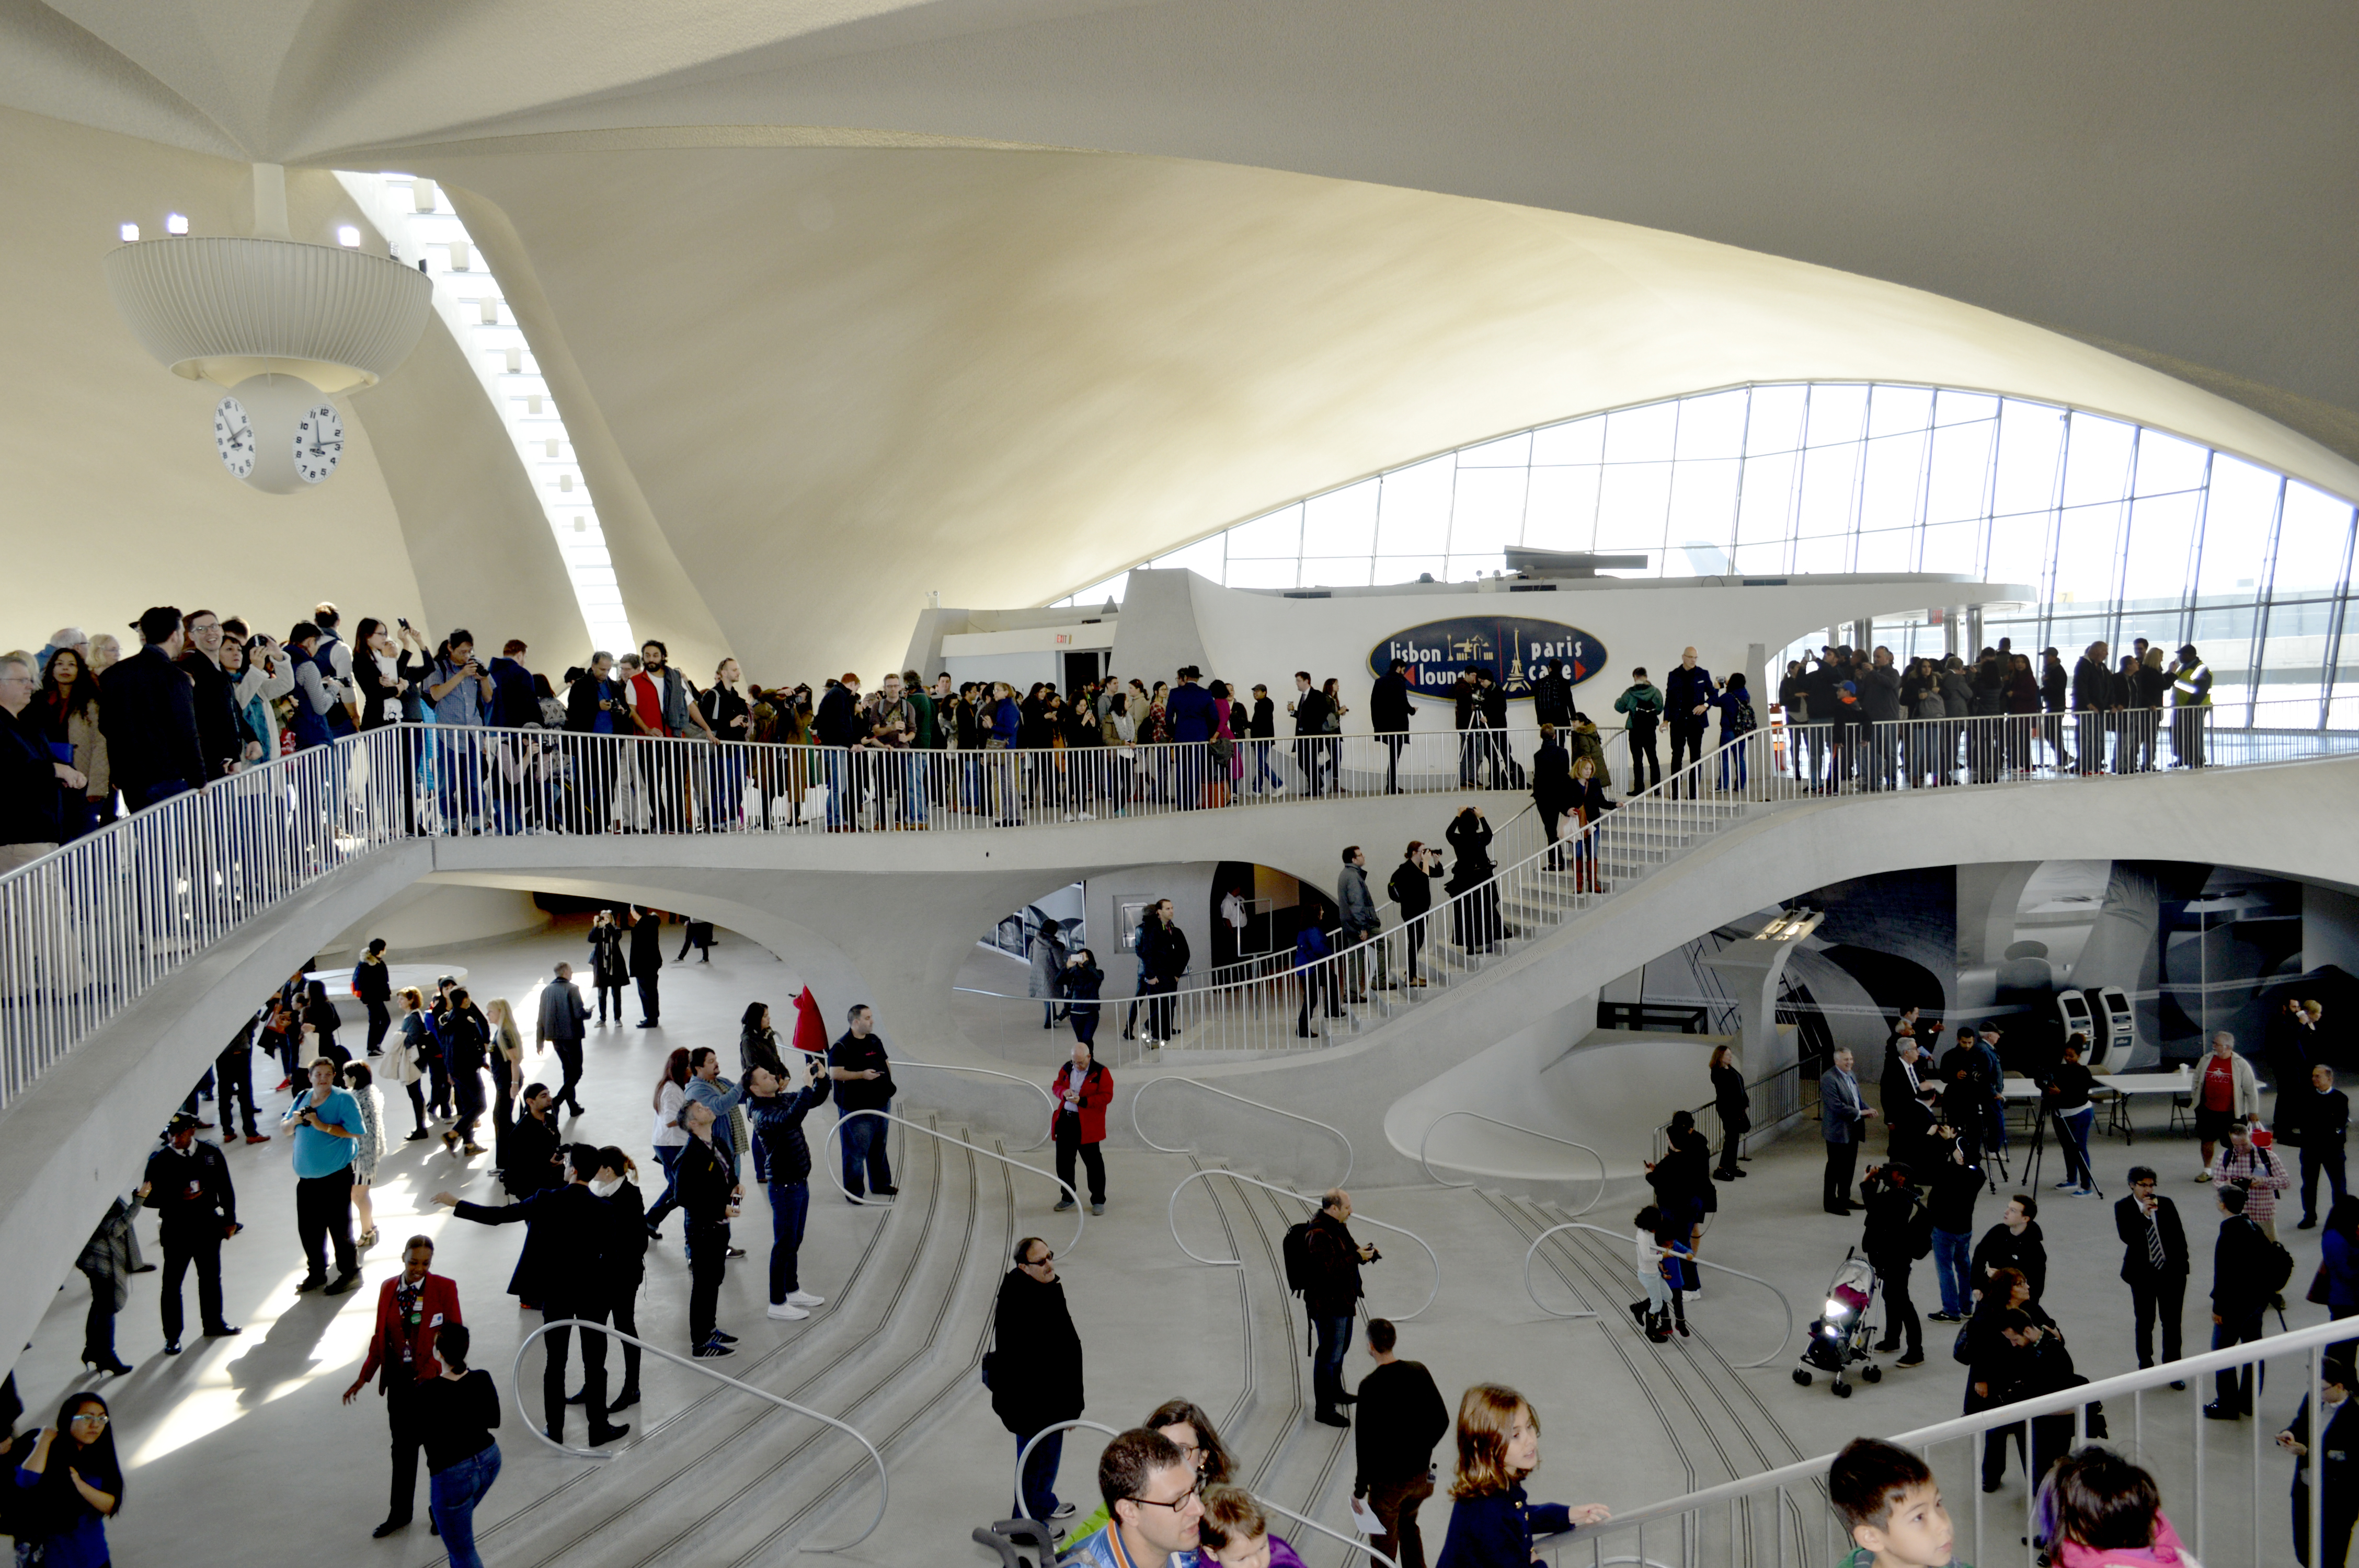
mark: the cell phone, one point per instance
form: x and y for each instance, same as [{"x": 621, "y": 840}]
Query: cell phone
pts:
[{"x": 402, "y": 622}]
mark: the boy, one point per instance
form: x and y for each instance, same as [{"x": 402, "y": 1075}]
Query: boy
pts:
[{"x": 1889, "y": 1502}]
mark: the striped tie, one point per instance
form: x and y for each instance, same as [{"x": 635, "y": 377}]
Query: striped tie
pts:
[{"x": 2154, "y": 1254}]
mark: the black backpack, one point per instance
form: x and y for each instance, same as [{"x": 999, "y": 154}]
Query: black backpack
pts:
[
  {"x": 2274, "y": 1265},
  {"x": 1301, "y": 1272}
]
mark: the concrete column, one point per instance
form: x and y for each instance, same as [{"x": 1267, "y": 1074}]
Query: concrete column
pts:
[{"x": 1753, "y": 970}]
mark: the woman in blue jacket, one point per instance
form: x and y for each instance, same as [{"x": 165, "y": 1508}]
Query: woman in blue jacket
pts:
[{"x": 1491, "y": 1522}]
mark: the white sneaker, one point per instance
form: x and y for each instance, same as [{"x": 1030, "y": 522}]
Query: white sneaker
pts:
[
  {"x": 804, "y": 1299},
  {"x": 1277, "y": 790},
  {"x": 787, "y": 1311}
]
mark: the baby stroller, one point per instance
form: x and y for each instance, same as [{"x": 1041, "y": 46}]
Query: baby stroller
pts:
[{"x": 1843, "y": 1335}]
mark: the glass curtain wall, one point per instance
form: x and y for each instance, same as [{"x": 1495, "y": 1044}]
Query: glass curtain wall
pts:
[{"x": 2121, "y": 531}]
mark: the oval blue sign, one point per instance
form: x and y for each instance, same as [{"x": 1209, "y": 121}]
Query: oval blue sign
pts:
[{"x": 1517, "y": 650}]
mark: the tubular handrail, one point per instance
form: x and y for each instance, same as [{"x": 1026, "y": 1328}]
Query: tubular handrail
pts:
[
  {"x": 1025, "y": 1451},
  {"x": 1080, "y": 1219},
  {"x": 1046, "y": 1097},
  {"x": 1140, "y": 1094},
  {"x": 516, "y": 1386},
  {"x": 1602, "y": 1178},
  {"x": 1172, "y": 1213},
  {"x": 1352, "y": 1542},
  {"x": 1706, "y": 1262},
  {"x": 2314, "y": 1338}
]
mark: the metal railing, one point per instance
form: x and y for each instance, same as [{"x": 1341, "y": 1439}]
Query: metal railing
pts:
[
  {"x": 1771, "y": 1099},
  {"x": 1048, "y": 1100},
  {"x": 1080, "y": 1217},
  {"x": 1720, "y": 1524},
  {"x": 1198, "y": 1083},
  {"x": 1594, "y": 1199},
  {"x": 1630, "y": 1238},
  {"x": 1023, "y": 1451},
  {"x": 1171, "y": 1212},
  {"x": 1353, "y": 1541},
  {"x": 516, "y": 1390}
]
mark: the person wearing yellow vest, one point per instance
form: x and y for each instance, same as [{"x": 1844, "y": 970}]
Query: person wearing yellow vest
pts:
[{"x": 2191, "y": 689}]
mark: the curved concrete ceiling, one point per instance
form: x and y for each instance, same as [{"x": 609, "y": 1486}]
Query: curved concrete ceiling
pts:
[
  {"x": 842, "y": 377},
  {"x": 851, "y": 341}
]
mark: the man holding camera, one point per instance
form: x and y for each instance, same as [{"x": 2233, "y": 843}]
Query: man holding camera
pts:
[
  {"x": 1411, "y": 888},
  {"x": 782, "y": 1163},
  {"x": 460, "y": 690},
  {"x": 1331, "y": 1294},
  {"x": 326, "y": 1119},
  {"x": 864, "y": 1080}
]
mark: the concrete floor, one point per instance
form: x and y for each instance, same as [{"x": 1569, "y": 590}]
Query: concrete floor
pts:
[{"x": 219, "y": 1440}]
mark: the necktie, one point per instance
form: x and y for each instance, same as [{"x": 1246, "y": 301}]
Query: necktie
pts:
[{"x": 2153, "y": 1240}]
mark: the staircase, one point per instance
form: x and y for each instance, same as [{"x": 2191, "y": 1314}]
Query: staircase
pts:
[{"x": 728, "y": 1480}]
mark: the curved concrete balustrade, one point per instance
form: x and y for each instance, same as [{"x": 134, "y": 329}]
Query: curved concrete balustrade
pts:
[
  {"x": 1424, "y": 1156},
  {"x": 842, "y": 910},
  {"x": 1172, "y": 1213},
  {"x": 822, "y": 1160},
  {"x": 1628, "y": 1238}
]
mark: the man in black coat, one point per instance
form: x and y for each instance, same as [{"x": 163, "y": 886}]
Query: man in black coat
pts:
[
  {"x": 2154, "y": 1262},
  {"x": 2240, "y": 1266},
  {"x": 534, "y": 1146},
  {"x": 562, "y": 1016},
  {"x": 1898, "y": 1232},
  {"x": 189, "y": 1187},
  {"x": 1687, "y": 702},
  {"x": 2093, "y": 696},
  {"x": 147, "y": 710},
  {"x": 218, "y": 737},
  {"x": 1411, "y": 888},
  {"x": 1035, "y": 1371},
  {"x": 2015, "y": 1242},
  {"x": 1492, "y": 699},
  {"x": 1402, "y": 1418},
  {"x": 647, "y": 958},
  {"x": 1879, "y": 705},
  {"x": 1388, "y": 715},
  {"x": 563, "y": 1269},
  {"x": 2320, "y": 1120},
  {"x": 1552, "y": 696},
  {"x": 1330, "y": 1296},
  {"x": 1309, "y": 709}
]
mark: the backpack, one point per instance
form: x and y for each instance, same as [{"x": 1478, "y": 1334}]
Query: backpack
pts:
[
  {"x": 2275, "y": 1265},
  {"x": 1301, "y": 1272},
  {"x": 1741, "y": 711}
]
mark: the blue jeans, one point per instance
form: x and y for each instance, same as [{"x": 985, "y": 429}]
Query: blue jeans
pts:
[
  {"x": 2074, "y": 1125},
  {"x": 864, "y": 1149},
  {"x": 458, "y": 766},
  {"x": 668, "y": 1157},
  {"x": 1334, "y": 1334},
  {"x": 1953, "y": 1253},
  {"x": 1039, "y": 1500},
  {"x": 451, "y": 1496},
  {"x": 789, "y": 1208}
]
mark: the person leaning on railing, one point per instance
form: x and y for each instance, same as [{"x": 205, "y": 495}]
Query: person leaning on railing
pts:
[{"x": 34, "y": 785}]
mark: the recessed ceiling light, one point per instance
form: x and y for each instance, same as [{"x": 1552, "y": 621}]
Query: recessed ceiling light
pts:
[
  {"x": 348, "y": 236},
  {"x": 130, "y": 232},
  {"x": 176, "y": 223}
]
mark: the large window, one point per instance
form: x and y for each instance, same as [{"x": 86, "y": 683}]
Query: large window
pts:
[{"x": 2121, "y": 531}]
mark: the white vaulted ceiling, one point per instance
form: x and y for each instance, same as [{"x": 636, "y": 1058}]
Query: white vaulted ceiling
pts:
[{"x": 842, "y": 332}]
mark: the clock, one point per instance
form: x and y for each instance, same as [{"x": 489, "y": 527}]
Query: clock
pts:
[
  {"x": 233, "y": 437},
  {"x": 319, "y": 441}
]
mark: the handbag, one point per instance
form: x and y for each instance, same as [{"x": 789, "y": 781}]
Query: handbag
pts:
[{"x": 2317, "y": 1293}]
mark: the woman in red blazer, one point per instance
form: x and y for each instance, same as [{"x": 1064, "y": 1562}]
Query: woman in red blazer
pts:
[
  {"x": 412, "y": 1308},
  {"x": 1083, "y": 1090}
]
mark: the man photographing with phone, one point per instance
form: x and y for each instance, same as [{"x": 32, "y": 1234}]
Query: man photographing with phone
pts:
[{"x": 782, "y": 1163}]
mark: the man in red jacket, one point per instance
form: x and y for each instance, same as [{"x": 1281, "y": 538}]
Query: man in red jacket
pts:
[
  {"x": 412, "y": 1308},
  {"x": 1083, "y": 1091}
]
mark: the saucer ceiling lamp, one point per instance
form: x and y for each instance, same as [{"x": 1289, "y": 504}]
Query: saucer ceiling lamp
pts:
[{"x": 279, "y": 324}]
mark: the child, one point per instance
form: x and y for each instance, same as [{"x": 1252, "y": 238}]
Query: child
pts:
[
  {"x": 2098, "y": 1510},
  {"x": 1890, "y": 1503},
  {"x": 1491, "y": 1525},
  {"x": 1236, "y": 1533},
  {"x": 1661, "y": 1255}
]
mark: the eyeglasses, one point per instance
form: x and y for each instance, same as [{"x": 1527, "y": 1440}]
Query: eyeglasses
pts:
[
  {"x": 1043, "y": 1261},
  {"x": 1176, "y": 1504},
  {"x": 88, "y": 1418}
]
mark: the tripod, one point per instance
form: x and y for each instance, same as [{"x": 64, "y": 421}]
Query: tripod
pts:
[{"x": 2064, "y": 1139}]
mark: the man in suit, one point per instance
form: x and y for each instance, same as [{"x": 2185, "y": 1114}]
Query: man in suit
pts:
[
  {"x": 412, "y": 1309},
  {"x": 1688, "y": 692},
  {"x": 2092, "y": 697},
  {"x": 188, "y": 1185},
  {"x": 564, "y": 1271},
  {"x": 647, "y": 958},
  {"x": 1388, "y": 715},
  {"x": 147, "y": 709},
  {"x": 2154, "y": 1262},
  {"x": 562, "y": 1016},
  {"x": 1842, "y": 1121},
  {"x": 1309, "y": 709}
]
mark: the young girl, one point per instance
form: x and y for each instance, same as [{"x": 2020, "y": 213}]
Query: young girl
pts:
[
  {"x": 416, "y": 1054},
  {"x": 2098, "y": 1510},
  {"x": 1235, "y": 1533},
  {"x": 1661, "y": 1252},
  {"x": 1491, "y": 1523},
  {"x": 367, "y": 1145}
]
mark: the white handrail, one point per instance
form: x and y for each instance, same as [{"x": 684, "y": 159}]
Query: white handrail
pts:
[
  {"x": 1140, "y": 1094},
  {"x": 2314, "y": 1339},
  {"x": 1352, "y": 1542},
  {"x": 516, "y": 1386},
  {"x": 1622, "y": 1235},
  {"x": 1046, "y": 1097},
  {"x": 1171, "y": 1212},
  {"x": 1595, "y": 1198},
  {"x": 1080, "y": 1219},
  {"x": 1025, "y": 1451}
]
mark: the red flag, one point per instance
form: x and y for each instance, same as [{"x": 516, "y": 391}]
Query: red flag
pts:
[{"x": 810, "y": 1035}]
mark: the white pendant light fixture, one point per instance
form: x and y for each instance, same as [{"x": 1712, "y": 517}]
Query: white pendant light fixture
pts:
[{"x": 280, "y": 324}]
